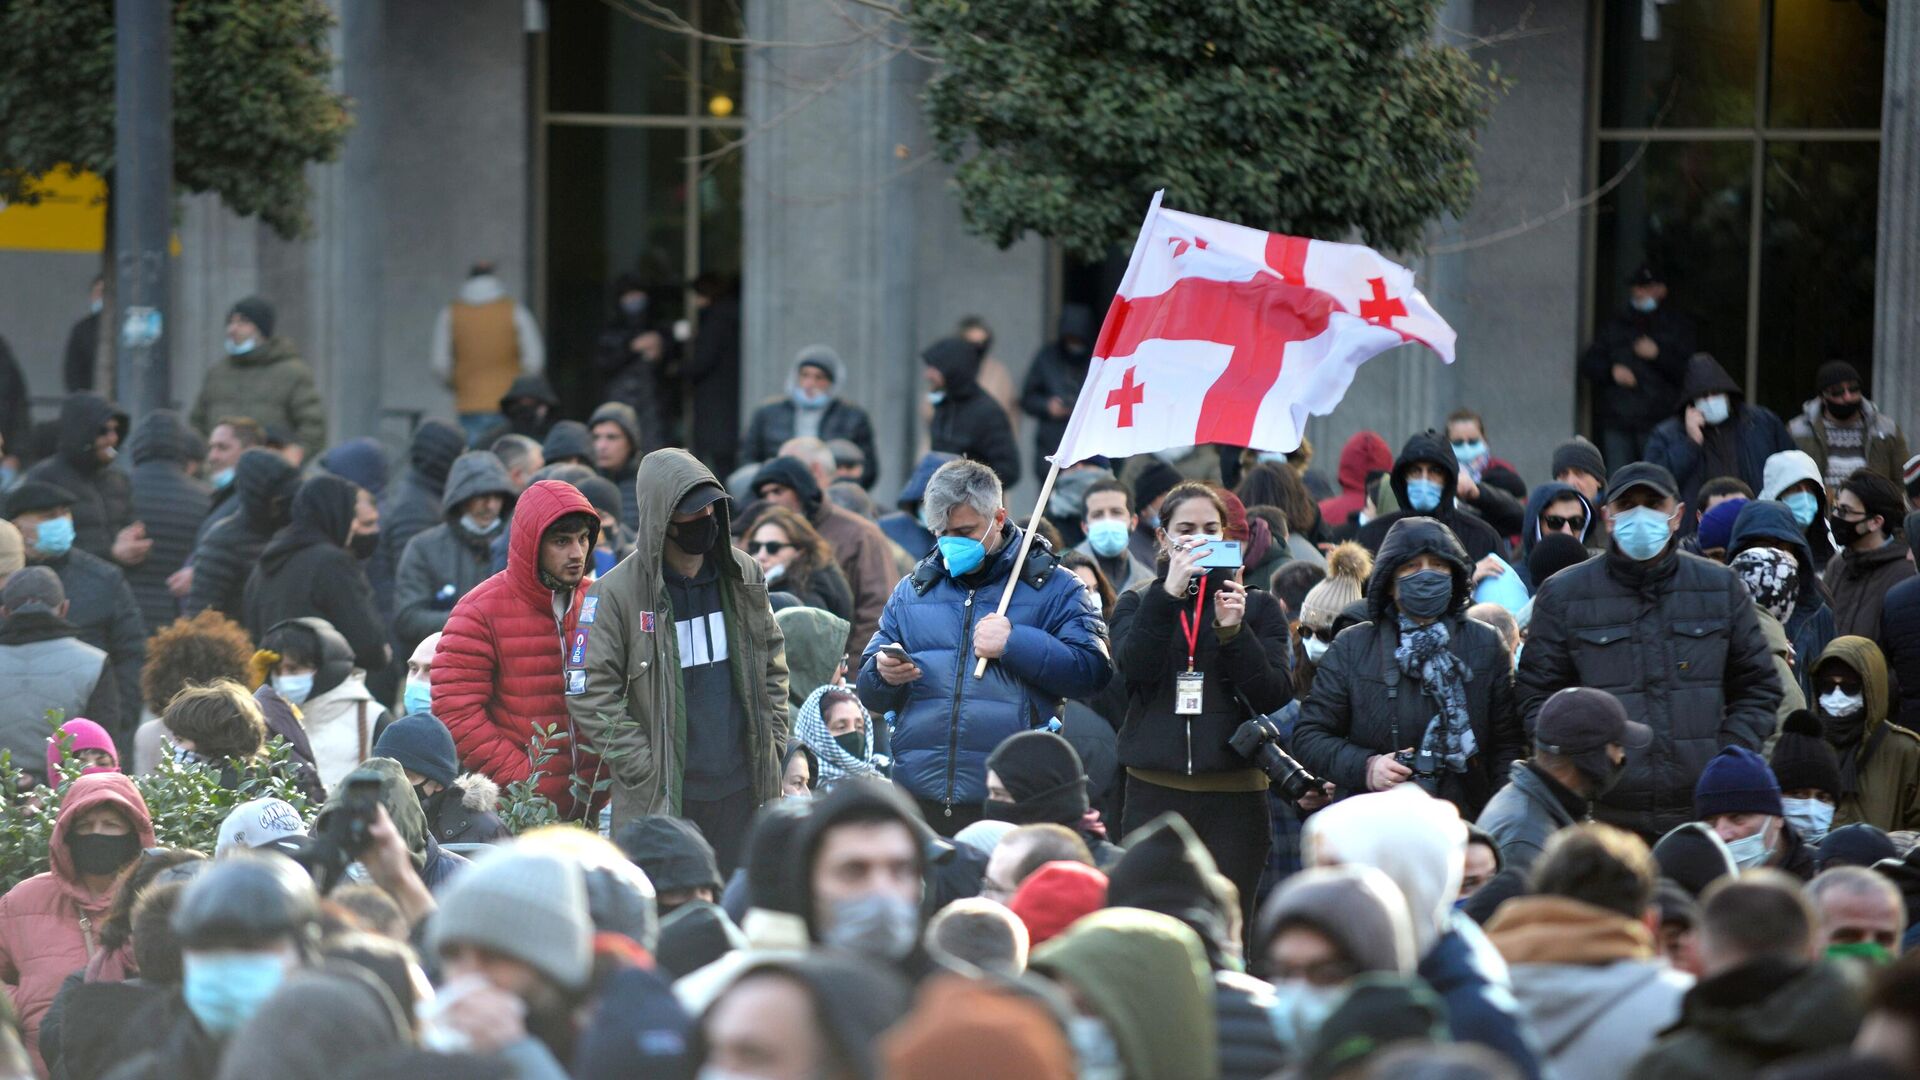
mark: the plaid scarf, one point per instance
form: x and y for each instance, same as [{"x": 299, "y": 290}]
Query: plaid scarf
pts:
[{"x": 1423, "y": 654}]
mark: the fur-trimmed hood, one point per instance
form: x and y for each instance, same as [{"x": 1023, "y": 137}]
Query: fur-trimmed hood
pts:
[{"x": 477, "y": 793}]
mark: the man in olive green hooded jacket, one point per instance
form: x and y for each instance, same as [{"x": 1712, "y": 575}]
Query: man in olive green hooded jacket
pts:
[
  {"x": 667, "y": 696},
  {"x": 1879, "y": 759}
]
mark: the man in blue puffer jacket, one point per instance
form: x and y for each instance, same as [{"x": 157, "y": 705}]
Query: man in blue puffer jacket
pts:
[{"x": 1051, "y": 645}]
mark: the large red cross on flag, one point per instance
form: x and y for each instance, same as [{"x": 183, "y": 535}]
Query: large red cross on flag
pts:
[{"x": 1225, "y": 334}]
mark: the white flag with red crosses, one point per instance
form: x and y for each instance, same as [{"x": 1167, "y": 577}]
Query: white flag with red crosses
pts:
[{"x": 1229, "y": 335}]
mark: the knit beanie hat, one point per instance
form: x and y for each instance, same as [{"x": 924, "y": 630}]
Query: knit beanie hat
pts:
[
  {"x": 672, "y": 852},
  {"x": 1578, "y": 453},
  {"x": 1055, "y": 897},
  {"x": 1802, "y": 758},
  {"x": 1833, "y": 373},
  {"x": 1736, "y": 781},
  {"x": 964, "y": 1030},
  {"x": 526, "y": 905},
  {"x": 1155, "y": 480},
  {"x": 983, "y": 836},
  {"x": 1771, "y": 575},
  {"x": 1716, "y": 525},
  {"x": 1693, "y": 857},
  {"x": 422, "y": 743},
  {"x": 35, "y": 588},
  {"x": 1357, "y": 908},
  {"x": 1043, "y": 773},
  {"x": 1552, "y": 554},
  {"x": 257, "y": 311},
  {"x": 1167, "y": 869},
  {"x": 1858, "y": 844},
  {"x": 1348, "y": 568},
  {"x": 13, "y": 552}
]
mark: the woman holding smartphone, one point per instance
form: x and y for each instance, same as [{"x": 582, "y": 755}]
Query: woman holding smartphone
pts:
[{"x": 1201, "y": 654}]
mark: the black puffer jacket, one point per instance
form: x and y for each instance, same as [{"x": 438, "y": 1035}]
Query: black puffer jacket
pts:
[
  {"x": 444, "y": 563},
  {"x": 307, "y": 570},
  {"x": 968, "y": 422},
  {"x": 1363, "y": 704},
  {"x": 263, "y": 485},
  {"x": 171, "y": 504},
  {"x": 1057, "y": 371},
  {"x": 1677, "y": 641},
  {"x": 1475, "y": 535},
  {"x": 1252, "y": 665},
  {"x": 102, "y": 495},
  {"x": 412, "y": 506}
]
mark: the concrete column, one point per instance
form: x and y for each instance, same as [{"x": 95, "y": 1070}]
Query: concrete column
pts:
[{"x": 1896, "y": 309}]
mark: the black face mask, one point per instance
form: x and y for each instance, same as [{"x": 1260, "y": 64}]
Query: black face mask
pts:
[
  {"x": 363, "y": 545},
  {"x": 430, "y": 804},
  {"x": 1842, "y": 410},
  {"x": 696, "y": 537},
  {"x": 97, "y": 854}
]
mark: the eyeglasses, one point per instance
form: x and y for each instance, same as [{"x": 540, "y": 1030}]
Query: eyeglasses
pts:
[
  {"x": 1576, "y": 523},
  {"x": 1325, "y": 637},
  {"x": 766, "y": 547}
]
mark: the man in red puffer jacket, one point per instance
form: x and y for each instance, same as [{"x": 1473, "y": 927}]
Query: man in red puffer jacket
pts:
[{"x": 501, "y": 667}]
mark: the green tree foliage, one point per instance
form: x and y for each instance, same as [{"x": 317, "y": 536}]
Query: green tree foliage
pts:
[
  {"x": 251, "y": 102},
  {"x": 1311, "y": 117}
]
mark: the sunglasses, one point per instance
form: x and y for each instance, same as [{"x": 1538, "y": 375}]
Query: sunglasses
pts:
[
  {"x": 1555, "y": 521},
  {"x": 1325, "y": 637},
  {"x": 766, "y": 547}
]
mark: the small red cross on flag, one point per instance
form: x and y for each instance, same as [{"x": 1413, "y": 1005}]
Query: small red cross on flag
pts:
[{"x": 1242, "y": 334}]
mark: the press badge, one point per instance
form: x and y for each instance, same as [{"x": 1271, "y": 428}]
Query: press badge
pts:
[{"x": 1188, "y": 689}]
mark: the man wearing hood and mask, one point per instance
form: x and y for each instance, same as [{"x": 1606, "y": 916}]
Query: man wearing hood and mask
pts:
[
  {"x": 312, "y": 568},
  {"x": 1717, "y": 432},
  {"x": 1424, "y": 478},
  {"x": 1580, "y": 744},
  {"x": 1879, "y": 781},
  {"x": 813, "y": 408},
  {"x": 966, "y": 421},
  {"x": 632, "y": 354},
  {"x": 91, "y": 431},
  {"x": 1553, "y": 507},
  {"x": 1772, "y": 524},
  {"x": 1053, "y": 381},
  {"x": 861, "y": 862},
  {"x": 1674, "y": 636},
  {"x": 444, "y": 563},
  {"x": 263, "y": 487}
]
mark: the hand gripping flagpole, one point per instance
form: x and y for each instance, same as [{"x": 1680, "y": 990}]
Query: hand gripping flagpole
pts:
[{"x": 1071, "y": 436}]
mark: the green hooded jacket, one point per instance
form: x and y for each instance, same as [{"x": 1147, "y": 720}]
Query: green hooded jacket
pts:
[
  {"x": 632, "y": 704},
  {"x": 816, "y": 644},
  {"x": 1889, "y": 795},
  {"x": 271, "y": 385},
  {"x": 1146, "y": 976}
]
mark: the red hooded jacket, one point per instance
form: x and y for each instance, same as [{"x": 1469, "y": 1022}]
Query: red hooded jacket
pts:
[
  {"x": 1365, "y": 452},
  {"x": 499, "y": 669},
  {"x": 49, "y": 922}
]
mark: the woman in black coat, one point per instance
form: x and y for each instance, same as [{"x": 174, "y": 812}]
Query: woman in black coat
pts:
[
  {"x": 1178, "y": 760},
  {"x": 309, "y": 569},
  {"x": 1421, "y": 693}
]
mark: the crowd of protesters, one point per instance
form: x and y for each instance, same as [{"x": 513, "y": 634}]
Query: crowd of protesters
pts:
[{"x": 1237, "y": 767}]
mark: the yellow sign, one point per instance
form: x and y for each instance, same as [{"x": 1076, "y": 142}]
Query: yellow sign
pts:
[{"x": 72, "y": 216}]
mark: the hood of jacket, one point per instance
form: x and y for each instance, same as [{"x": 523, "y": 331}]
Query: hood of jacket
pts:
[
  {"x": 1076, "y": 321},
  {"x": 791, "y": 472},
  {"x": 82, "y": 415},
  {"x": 1772, "y": 523},
  {"x": 819, "y": 356},
  {"x": 94, "y": 789},
  {"x": 1167, "y": 869},
  {"x": 1705, "y": 376},
  {"x": 1782, "y": 1007},
  {"x": 1416, "y": 840},
  {"x": 543, "y": 503},
  {"x": 1433, "y": 448},
  {"x": 362, "y": 461},
  {"x": 530, "y": 386},
  {"x": 477, "y": 793},
  {"x": 958, "y": 362},
  {"x": 336, "y": 656},
  {"x": 1147, "y": 976},
  {"x": 1407, "y": 538},
  {"x": 403, "y": 806},
  {"x": 622, "y": 414},
  {"x": 567, "y": 439},
  {"x": 1357, "y": 908},
  {"x": 816, "y": 640},
  {"x": 265, "y": 484},
  {"x": 163, "y": 437},
  {"x": 480, "y": 289},
  {"x": 664, "y": 479},
  {"x": 435, "y": 444},
  {"x": 1787, "y": 468},
  {"x": 914, "y": 492},
  {"x": 1549, "y": 929},
  {"x": 1542, "y": 497},
  {"x": 1366, "y": 452},
  {"x": 1867, "y": 661},
  {"x": 1564, "y": 1000},
  {"x": 475, "y": 473},
  {"x": 322, "y": 513}
]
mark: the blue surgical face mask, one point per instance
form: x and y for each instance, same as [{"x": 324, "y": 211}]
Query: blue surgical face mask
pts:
[
  {"x": 1424, "y": 495},
  {"x": 810, "y": 399},
  {"x": 1805, "y": 507},
  {"x": 1645, "y": 305},
  {"x": 1714, "y": 409},
  {"x": 1811, "y": 818},
  {"x": 935, "y": 397},
  {"x": 222, "y": 478},
  {"x": 224, "y": 990},
  {"x": 1641, "y": 532},
  {"x": 1750, "y": 851},
  {"x": 295, "y": 688},
  {"x": 1152, "y": 519},
  {"x": 1107, "y": 537},
  {"x": 418, "y": 697},
  {"x": 241, "y": 348},
  {"x": 1470, "y": 451},
  {"x": 474, "y": 527},
  {"x": 1299, "y": 1009},
  {"x": 962, "y": 554},
  {"x": 55, "y": 537}
]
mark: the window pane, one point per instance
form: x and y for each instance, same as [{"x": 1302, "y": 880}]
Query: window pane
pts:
[
  {"x": 1685, "y": 209},
  {"x": 1816, "y": 271},
  {"x": 602, "y": 59},
  {"x": 1698, "y": 55},
  {"x": 1827, "y": 64},
  {"x": 722, "y": 66},
  {"x": 719, "y": 190},
  {"x": 616, "y": 203}
]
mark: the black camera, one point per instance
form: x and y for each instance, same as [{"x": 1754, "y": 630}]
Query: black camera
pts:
[
  {"x": 1258, "y": 740},
  {"x": 346, "y": 834}
]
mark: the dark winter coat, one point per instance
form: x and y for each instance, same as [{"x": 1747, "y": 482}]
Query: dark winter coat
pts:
[
  {"x": 1677, "y": 640},
  {"x": 306, "y": 570},
  {"x": 1811, "y": 626},
  {"x": 444, "y": 563},
  {"x": 968, "y": 422},
  {"x": 947, "y": 722},
  {"x": 83, "y": 347},
  {"x": 102, "y": 495},
  {"x": 1248, "y": 670},
  {"x": 1521, "y": 816},
  {"x": 1885, "y": 448},
  {"x": 631, "y": 378},
  {"x": 903, "y": 527},
  {"x": 622, "y": 478},
  {"x": 466, "y": 813},
  {"x": 1657, "y": 381},
  {"x": 1899, "y": 638},
  {"x": 773, "y": 424},
  {"x": 1057, "y": 372},
  {"x": 44, "y": 667},
  {"x": 1363, "y": 704},
  {"x": 715, "y": 374},
  {"x": 1741, "y": 1020},
  {"x": 1754, "y": 432},
  {"x": 263, "y": 486},
  {"x": 1476, "y": 536},
  {"x": 16, "y": 403},
  {"x": 171, "y": 504},
  {"x": 102, "y": 610},
  {"x": 1857, "y": 582},
  {"x": 412, "y": 506}
]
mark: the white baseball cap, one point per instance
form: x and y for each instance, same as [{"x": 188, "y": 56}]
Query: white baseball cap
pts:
[{"x": 259, "y": 823}]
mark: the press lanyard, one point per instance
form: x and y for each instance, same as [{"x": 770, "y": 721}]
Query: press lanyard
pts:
[{"x": 1192, "y": 627}]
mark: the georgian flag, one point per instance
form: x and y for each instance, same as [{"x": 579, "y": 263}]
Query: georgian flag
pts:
[{"x": 1225, "y": 334}]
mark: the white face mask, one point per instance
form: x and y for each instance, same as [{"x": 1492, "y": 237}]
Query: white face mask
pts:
[
  {"x": 1751, "y": 851},
  {"x": 1714, "y": 408},
  {"x": 1837, "y": 702},
  {"x": 1811, "y": 818},
  {"x": 1316, "y": 648}
]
